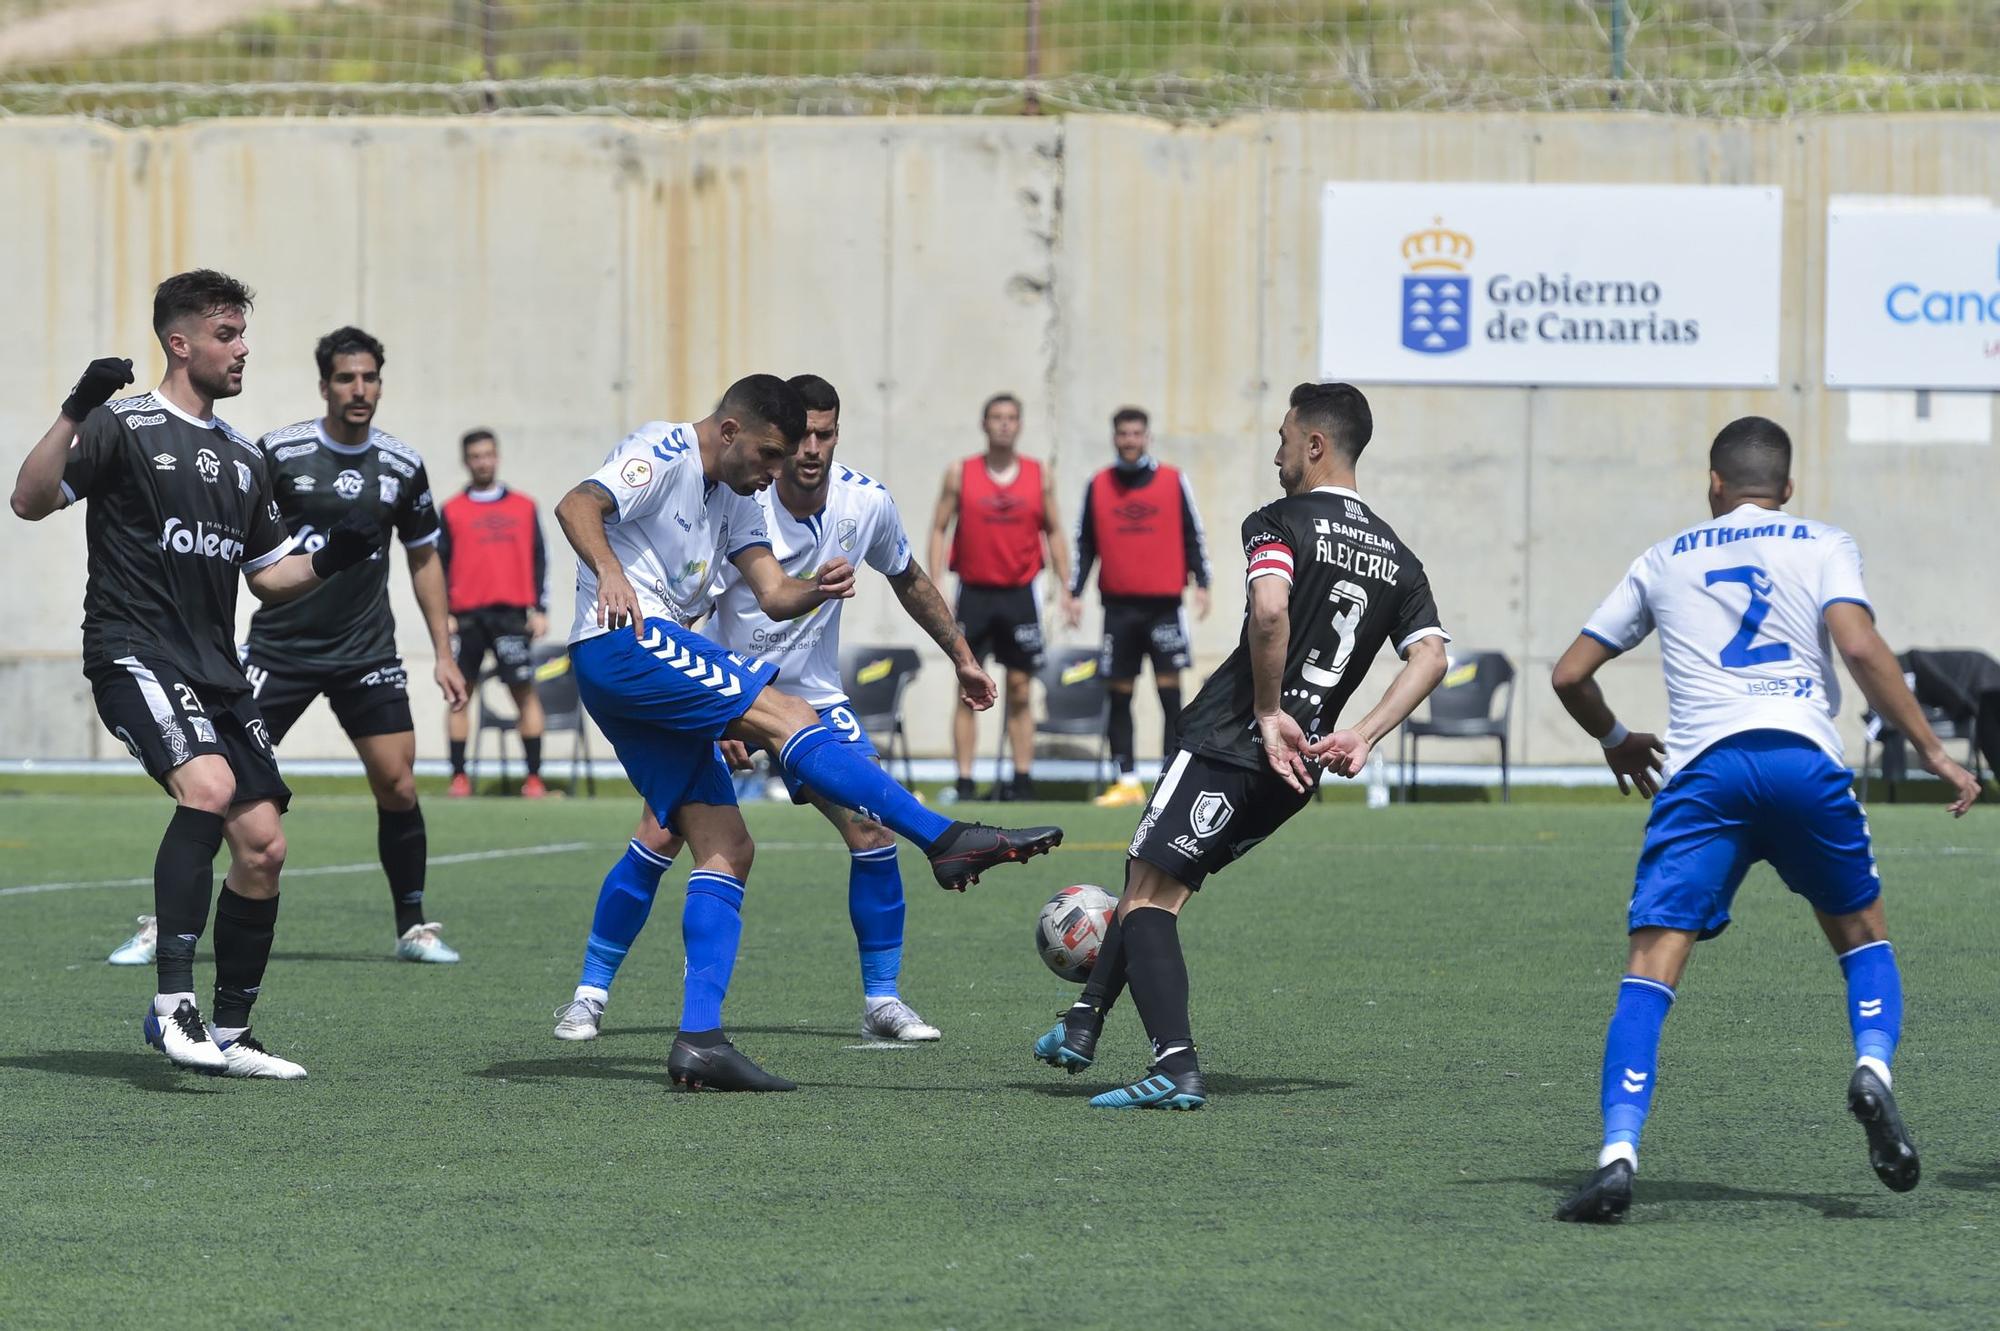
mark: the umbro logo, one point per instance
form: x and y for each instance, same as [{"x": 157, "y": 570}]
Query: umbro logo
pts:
[{"x": 163, "y": 462}]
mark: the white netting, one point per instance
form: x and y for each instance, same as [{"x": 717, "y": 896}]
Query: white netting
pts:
[{"x": 150, "y": 60}]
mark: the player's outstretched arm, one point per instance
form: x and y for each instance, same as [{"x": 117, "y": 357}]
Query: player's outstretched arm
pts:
[
  {"x": 1633, "y": 756},
  {"x": 581, "y": 516},
  {"x": 1880, "y": 678},
  {"x": 947, "y": 513},
  {"x": 1346, "y": 751},
  {"x": 427, "y": 581},
  {"x": 38, "y": 485},
  {"x": 925, "y": 606},
  {"x": 349, "y": 541},
  {"x": 781, "y": 596}
]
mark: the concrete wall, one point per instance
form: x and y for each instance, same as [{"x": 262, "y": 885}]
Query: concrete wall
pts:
[{"x": 561, "y": 281}]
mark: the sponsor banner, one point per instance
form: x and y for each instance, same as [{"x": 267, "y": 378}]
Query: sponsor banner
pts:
[
  {"x": 1912, "y": 293},
  {"x": 1550, "y": 284}
]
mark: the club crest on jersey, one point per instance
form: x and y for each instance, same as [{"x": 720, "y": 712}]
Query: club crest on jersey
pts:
[
  {"x": 1211, "y": 810},
  {"x": 209, "y": 465},
  {"x": 244, "y": 477},
  {"x": 1437, "y": 293},
  {"x": 845, "y": 533},
  {"x": 389, "y": 488},
  {"x": 348, "y": 484}
]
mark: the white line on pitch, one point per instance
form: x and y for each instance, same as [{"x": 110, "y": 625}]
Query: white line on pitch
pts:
[
  {"x": 896, "y": 1048},
  {"x": 321, "y": 870}
]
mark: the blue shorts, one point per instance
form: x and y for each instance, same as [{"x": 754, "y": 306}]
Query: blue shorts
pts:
[
  {"x": 839, "y": 719},
  {"x": 1763, "y": 795},
  {"x": 663, "y": 701}
]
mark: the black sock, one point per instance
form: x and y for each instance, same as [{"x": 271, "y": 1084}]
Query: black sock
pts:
[
  {"x": 1024, "y": 785},
  {"x": 1118, "y": 730},
  {"x": 183, "y": 878},
  {"x": 405, "y": 850},
  {"x": 1107, "y": 977},
  {"x": 701, "y": 1039},
  {"x": 532, "y": 746},
  {"x": 1170, "y": 705},
  {"x": 244, "y": 927},
  {"x": 965, "y": 788},
  {"x": 458, "y": 757},
  {"x": 1159, "y": 978}
]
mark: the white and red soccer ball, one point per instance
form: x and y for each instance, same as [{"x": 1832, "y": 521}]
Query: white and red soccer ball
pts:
[{"x": 1070, "y": 930}]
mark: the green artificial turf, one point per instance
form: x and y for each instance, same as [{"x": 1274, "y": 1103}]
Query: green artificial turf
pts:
[{"x": 1400, "y": 1013}]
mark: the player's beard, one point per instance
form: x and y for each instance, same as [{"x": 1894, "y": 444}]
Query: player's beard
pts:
[
  {"x": 1290, "y": 477},
  {"x": 216, "y": 384}
]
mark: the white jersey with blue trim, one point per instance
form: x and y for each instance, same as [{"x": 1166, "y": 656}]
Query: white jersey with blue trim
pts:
[
  {"x": 1740, "y": 605},
  {"x": 672, "y": 529},
  {"x": 858, "y": 523}
]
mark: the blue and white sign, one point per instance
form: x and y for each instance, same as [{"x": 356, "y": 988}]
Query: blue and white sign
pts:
[
  {"x": 1448, "y": 283},
  {"x": 1912, "y": 293}
]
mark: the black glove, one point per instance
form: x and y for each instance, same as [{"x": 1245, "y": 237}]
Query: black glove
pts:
[
  {"x": 100, "y": 380},
  {"x": 349, "y": 541}
]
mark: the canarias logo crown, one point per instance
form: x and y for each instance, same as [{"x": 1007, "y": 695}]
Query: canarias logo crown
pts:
[{"x": 1437, "y": 248}]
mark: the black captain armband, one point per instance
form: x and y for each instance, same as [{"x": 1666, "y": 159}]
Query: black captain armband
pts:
[{"x": 349, "y": 541}]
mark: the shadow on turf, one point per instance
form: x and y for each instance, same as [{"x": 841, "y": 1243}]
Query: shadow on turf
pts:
[
  {"x": 1219, "y": 1083},
  {"x": 335, "y": 956},
  {"x": 668, "y": 1032},
  {"x": 147, "y": 1072},
  {"x": 1980, "y": 1178},
  {"x": 1647, "y": 1191},
  {"x": 601, "y": 1069}
]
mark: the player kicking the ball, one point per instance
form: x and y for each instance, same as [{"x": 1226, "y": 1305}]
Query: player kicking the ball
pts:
[
  {"x": 1328, "y": 584},
  {"x": 1748, "y": 607},
  {"x": 650, "y": 528},
  {"x": 178, "y": 504},
  {"x": 817, "y": 512}
]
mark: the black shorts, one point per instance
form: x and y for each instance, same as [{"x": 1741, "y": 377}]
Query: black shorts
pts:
[
  {"x": 1136, "y": 627},
  {"x": 166, "y": 721},
  {"x": 1206, "y": 815},
  {"x": 1002, "y": 622},
  {"x": 502, "y": 630},
  {"x": 367, "y": 700}
]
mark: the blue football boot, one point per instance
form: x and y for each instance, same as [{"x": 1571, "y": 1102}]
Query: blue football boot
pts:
[
  {"x": 1158, "y": 1090},
  {"x": 1071, "y": 1047}
]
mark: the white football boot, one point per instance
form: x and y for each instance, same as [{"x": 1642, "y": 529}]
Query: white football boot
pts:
[
  {"x": 580, "y": 1018},
  {"x": 420, "y": 942},
  {"x": 141, "y": 947},
  {"x": 894, "y": 1019},
  {"x": 247, "y": 1058},
  {"x": 184, "y": 1039}
]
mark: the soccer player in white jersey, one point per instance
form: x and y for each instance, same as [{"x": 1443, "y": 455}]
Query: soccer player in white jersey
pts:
[
  {"x": 1749, "y": 607},
  {"x": 817, "y": 512},
  {"x": 651, "y": 528}
]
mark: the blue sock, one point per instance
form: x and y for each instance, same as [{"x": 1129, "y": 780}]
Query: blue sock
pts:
[
  {"x": 1631, "y": 1057},
  {"x": 817, "y": 758},
  {"x": 1874, "y": 999},
  {"x": 622, "y": 906},
  {"x": 875, "y": 907},
  {"x": 711, "y": 927}
]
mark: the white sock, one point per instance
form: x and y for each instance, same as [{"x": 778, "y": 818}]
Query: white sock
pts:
[
  {"x": 224, "y": 1034},
  {"x": 164, "y": 1004},
  {"x": 592, "y": 992},
  {"x": 1625, "y": 1151},
  {"x": 873, "y": 1001},
  {"x": 1877, "y": 1066}
]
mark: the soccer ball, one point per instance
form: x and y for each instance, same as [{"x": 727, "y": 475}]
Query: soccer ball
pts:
[{"x": 1070, "y": 930}]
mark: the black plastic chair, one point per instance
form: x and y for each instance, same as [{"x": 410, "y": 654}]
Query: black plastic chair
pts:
[
  {"x": 876, "y": 679},
  {"x": 562, "y": 710},
  {"x": 1075, "y": 704},
  {"x": 1463, "y": 708},
  {"x": 1894, "y": 760}
]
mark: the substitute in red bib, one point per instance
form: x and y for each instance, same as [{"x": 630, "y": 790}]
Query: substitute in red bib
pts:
[
  {"x": 996, "y": 514},
  {"x": 1138, "y": 523},
  {"x": 497, "y": 570}
]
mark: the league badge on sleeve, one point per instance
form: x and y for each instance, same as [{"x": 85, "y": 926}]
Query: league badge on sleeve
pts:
[{"x": 636, "y": 472}]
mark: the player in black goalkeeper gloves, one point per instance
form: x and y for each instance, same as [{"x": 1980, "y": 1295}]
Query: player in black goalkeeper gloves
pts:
[{"x": 101, "y": 378}]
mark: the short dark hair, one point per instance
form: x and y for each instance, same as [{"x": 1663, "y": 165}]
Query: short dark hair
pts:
[
  {"x": 346, "y": 342},
  {"x": 815, "y": 392},
  {"x": 200, "y": 292},
  {"x": 767, "y": 400},
  {"x": 996, "y": 400},
  {"x": 472, "y": 437},
  {"x": 1339, "y": 412},
  {"x": 1752, "y": 455},
  {"x": 1123, "y": 414}
]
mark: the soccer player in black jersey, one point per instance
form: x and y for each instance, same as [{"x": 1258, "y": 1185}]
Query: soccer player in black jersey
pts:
[
  {"x": 178, "y": 503},
  {"x": 341, "y": 640},
  {"x": 1328, "y": 584}
]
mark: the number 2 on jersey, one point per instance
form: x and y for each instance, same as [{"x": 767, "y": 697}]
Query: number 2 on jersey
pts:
[{"x": 1737, "y": 653}]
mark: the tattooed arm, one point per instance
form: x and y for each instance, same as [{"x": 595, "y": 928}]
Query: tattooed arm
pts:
[{"x": 927, "y": 610}]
